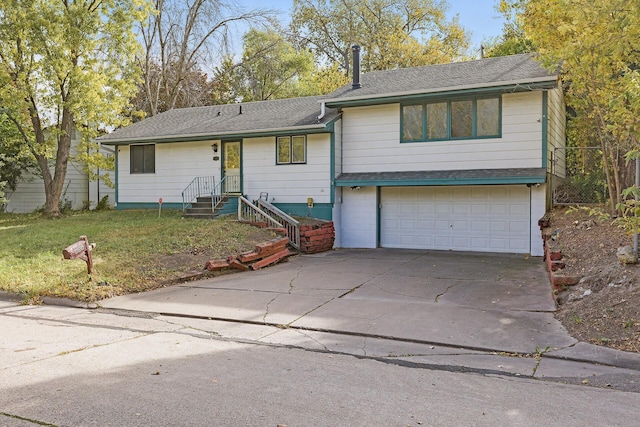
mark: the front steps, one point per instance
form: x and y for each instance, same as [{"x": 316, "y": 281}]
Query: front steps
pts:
[{"x": 201, "y": 208}]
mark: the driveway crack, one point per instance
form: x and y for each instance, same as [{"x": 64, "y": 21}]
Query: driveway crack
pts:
[
  {"x": 266, "y": 312},
  {"x": 291, "y": 282},
  {"x": 445, "y": 291}
]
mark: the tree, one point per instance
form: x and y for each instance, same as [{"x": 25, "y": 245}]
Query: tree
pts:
[
  {"x": 177, "y": 39},
  {"x": 64, "y": 64},
  {"x": 323, "y": 81},
  {"x": 596, "y": 46},
  {"x": 392, "y": 33},
  {"x": 513, "y": 39},
  {"x": 271, "y": 67},
  {"x": 15, "y": 158}
]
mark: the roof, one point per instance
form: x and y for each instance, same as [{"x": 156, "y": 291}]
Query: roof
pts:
[
  {"x": 444, "y": 177},
  {"x": 219, "y": 121},
  {"x": 300, "y": 115},
  {"x": 512, "y": 71}
]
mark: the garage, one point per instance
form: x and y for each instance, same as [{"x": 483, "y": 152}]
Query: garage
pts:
[{"x": 485, "y": 218}]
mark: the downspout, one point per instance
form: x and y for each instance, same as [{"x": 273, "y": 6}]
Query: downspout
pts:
[{"x": 323, "y": 110}]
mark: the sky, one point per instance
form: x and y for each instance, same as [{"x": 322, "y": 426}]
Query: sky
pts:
[{"x": 478, "y": 17}]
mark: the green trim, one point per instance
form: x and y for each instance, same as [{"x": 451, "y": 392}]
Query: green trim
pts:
[
  {"x": 378, "y": 216},
  {"x": 117, "y": 152},
  {"x": 213, "y": 136},
  {"x": 545, "y": 127},
  {"x": 442, "y": 181},
  {"x": 332, "y": 165},
  {"x": 512, "y": 88},
  {"x": 148, "y": 205},
  {"x": 319, "y": 210},
  {"x": 474, "y": 119}
]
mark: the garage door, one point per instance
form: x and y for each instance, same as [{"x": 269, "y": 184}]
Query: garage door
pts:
[{"x": 479, "y": 218}]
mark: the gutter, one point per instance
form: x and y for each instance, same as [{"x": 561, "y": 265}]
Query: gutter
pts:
[
  {"x": 217, "y": 135},
  {"x": 513, "y": 83}
]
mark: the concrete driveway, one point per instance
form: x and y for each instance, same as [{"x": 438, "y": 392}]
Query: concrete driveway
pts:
[{"x": 483, "y": 302}]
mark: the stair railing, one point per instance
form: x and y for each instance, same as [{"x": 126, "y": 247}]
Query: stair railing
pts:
[
  {"x": 218, "y": 194},
  {"x": 248, "y": 212},
  {"x": 290, "y": 224},
  {"x": 199, "y": 186}
]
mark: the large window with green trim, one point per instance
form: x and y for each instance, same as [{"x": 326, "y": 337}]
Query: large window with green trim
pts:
[
  {"x": 291, "y": 149},
  {"x": 464, "y": 118}
]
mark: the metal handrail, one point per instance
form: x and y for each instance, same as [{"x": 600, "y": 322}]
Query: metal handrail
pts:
[
  {"x": 217, "y": 194},
  {"x": 197, "y": 187},
  {"x": 290, "y": 224},
  {"x": 248, "y": 212}
]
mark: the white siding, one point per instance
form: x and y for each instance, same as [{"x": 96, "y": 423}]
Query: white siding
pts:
[
  {"x": 371, "y": 141},
  {"x": 538, "y": 209},
  {"x": 29, "y": 194},
  {"x": 336, "y": 215},
  {"x": 359, "y": 223},
  {"x": 98, "y": 190},
  {"x": 556, "y": 132},
  {"x": 338, "y": 148},
  {"x": 176, "y": 166},
  {"x": 287, "y": 183}
]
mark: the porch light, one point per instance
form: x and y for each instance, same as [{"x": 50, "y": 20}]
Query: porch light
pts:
[{"x": 214, "y": 147}]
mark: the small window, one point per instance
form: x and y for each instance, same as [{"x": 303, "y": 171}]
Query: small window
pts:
[
  {"x": 143, "y": 158},
  {"x": 291, "y": 149},
  {"x": 461, "y": 119},
  {"x": 488, "y": 117},
  {"x": 437, "y": 120},
  {"x": 412, "y": 123}
]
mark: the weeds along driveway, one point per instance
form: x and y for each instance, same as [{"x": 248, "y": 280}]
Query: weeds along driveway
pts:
[{"x": 471, "y": 300}]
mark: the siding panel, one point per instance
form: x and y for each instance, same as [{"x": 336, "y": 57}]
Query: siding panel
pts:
[{"x": 371, "y": 141}]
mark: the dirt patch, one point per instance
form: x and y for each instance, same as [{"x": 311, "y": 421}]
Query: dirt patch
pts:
[{"x": 604, "y": 307}]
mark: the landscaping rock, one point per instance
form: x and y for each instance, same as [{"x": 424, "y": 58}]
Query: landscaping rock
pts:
[{"x": 626, "y": 255}]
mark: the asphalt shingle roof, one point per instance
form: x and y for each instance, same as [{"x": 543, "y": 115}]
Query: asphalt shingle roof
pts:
[
  {"x": 301, "y": 113},
  {"x": 447, "y": 177},
  {"x": 220, "y": 120},
  {"x": 434, "y": 78}
]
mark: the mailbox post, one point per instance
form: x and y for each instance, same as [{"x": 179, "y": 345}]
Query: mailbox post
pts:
[{"x": 80, "y": 250}]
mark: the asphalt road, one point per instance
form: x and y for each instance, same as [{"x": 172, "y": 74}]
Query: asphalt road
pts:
[{"x": 63, "y": 366}]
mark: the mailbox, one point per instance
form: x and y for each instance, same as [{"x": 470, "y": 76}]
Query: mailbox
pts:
[{"x": 80, "y": 250}]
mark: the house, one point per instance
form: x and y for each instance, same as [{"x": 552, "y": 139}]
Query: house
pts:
[
  {"x": 444, "y": 157},
  {"x": 78, "y": 189}
]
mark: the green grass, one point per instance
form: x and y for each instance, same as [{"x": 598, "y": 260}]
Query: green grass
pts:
[{"x": 135, "y": 251}]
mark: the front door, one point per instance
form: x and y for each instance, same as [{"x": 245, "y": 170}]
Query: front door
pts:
[{"x": 232, "y": 158}]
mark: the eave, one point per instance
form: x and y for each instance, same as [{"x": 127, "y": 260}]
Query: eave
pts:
[{"x": 542, "y": 83}]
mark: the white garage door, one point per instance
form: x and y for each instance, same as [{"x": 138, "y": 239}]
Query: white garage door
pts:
[{"x": 478, "y": 218}]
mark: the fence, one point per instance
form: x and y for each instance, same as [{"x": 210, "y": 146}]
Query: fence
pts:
[{"x": 578, "y": 176}]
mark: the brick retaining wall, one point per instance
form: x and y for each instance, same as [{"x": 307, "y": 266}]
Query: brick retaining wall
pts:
[{"x": 317, "y": 237}]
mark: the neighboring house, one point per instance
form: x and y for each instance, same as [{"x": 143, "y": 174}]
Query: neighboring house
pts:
[
  {"x": 29, "y": 193},
  {"x": 445, "y": 157}
]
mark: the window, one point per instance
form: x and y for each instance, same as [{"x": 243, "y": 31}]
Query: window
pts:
[
  {"x": 291, "y": 149},
  {"x": 143, "y": 158},
  {"x": 456, "y": 119}
]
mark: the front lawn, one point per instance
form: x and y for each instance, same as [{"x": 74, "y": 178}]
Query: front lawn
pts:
[{"x": 136, "y": 251}]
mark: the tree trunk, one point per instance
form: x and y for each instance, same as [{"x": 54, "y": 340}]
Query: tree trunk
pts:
[{"x": 53, "y": 185}]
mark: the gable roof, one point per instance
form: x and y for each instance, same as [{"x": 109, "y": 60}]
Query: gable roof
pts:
[
  {"x": 490, "y": 74},
  {"x": 275, "y": 117}
]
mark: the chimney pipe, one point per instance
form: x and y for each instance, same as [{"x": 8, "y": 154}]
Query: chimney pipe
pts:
[{"x": 356, "y": 67}]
